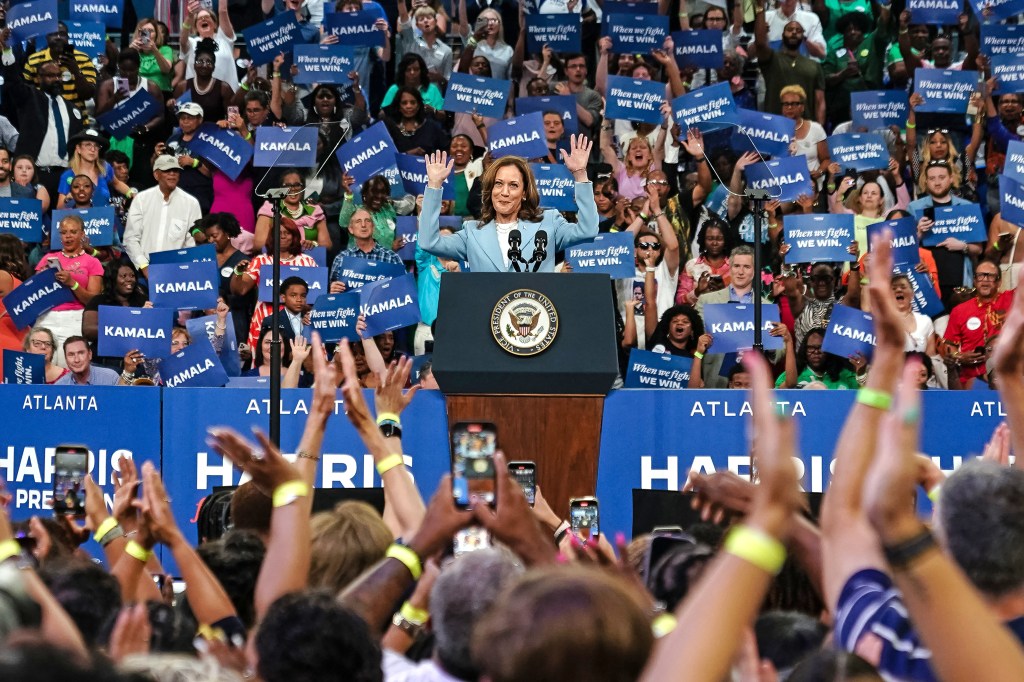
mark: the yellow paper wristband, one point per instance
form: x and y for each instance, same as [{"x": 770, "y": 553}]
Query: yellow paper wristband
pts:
[
  {"x": 697, "y": 354},
  {"x": 389, "y": 463},
  {"x": 663, "y": 624},
  {"x": 414, "y": 615},
  {"x": 137, "y": 551},
  {"x": 9, "y": 548},
  {"x": 388, "y": 417},
  {"x": 407, "y": 557},
  {"x": 108, "y": 525},
  {"x": 872, "y": 397},
  {"x": 933, "y": 494},
  {"x": 286, "y": 493},
  {"x": 756, "y": 547}
]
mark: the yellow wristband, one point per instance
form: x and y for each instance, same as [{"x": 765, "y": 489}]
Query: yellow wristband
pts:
[
  {"x": 872, "y": 397},
  {"x": 288, "y": 492},
  {"x": 697, "y": 354},
  {"x": 75, "y": 286},
  {"x": 390, "y": 462},
  {"x": 108, "y": 525},
  {"x": 933, "y": 494},
  {"x": 388, "y": 417},
  {"x": 407, "y": 557},
  {"x": 9, "y": 548},
  {"x": 910, "y": 125},
  {"x": 757, "y": 547},
  {"x": 414, "y": 615},
  {"x": 137, "y": 551},
  {"x": 663, "y": 624}
]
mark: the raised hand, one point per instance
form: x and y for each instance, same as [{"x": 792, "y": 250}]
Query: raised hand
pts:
[
  {"x": 388, "y": 397},
  {"x": 264, "y": 463},
  {"x": 579, "y": 154},
  {"x": 888, "y": 321},
  {"x": 439, "y": 167}
]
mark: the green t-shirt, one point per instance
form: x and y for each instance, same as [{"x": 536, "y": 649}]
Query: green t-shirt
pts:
[
  {"x": 846, "y": 380},
  {"x": 836, "y": 10},
  {"x": 432, "y": 97},
  {"x": 150, "y": 68}
]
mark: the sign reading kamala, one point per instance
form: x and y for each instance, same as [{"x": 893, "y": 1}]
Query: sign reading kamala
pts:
[
  {"x": 766, "y": 134},
  {"x": 128, "y": 115},
  {"x": 475, "y": 94},
  {"x": 999, "y": 10},
  {"x": 936, "y": 12},
  {"x": 708, "y": 108},
  {"x": 407, "y": 228},
  {"x": 657, "y": 370},
  {"x": 610, "y": 253},
  {"x": 784, "y": 179},
  {"x": 926, "y": 299},
  {"x": 963, "y": 222},
  {"x": 283, "y": 147},
  {"x": 354, "y": 28},
  {"x": 998, "y": 39},
  {"x": 1008, "y": 70},
  {"x": 99, "y": 223},
  {"x": 388, "y": 305},
  {"x": 859, "y": 151},
  {"x": 519, "y": 136},
  {"x": 223, "y": 147},
  {"x": 88, "y": 36},
  {"x": 732, "y": 326},
  {"x": 367, "y": 153},
  {"x": 904, "y": 239},
  {"x": 269, "y": 38},
  {"x": 635, "y": 32},
  {"x": 944, "y": 92},
  {"x": 357, "y": 272},
  {"x": 23, "y": 218},
  {"x": 107, "y": 12},
  {"x": 192, "y": 254},
  {"x": 24, "y": 368},
  {"x": 184, "y": 286},
  {"x": 556, "y": 186},
  {"x": 634, "y": 100},
  {"x": 206, "y": 328},
  {"x": 196, "y": 365},
  {"x": 876, "y": 109},
  {"x": 30, "y": 19},
  {"x": 334, "y": 316},
  {"x": 1011, "y": 200},
  {"x": 323, "y": 63},
  {"x": 817, "y": 238},
  {"x": 849, "y": 332},
  {"x": 35, "y": 296},
  {"x": 562, "y": 104},
  {"x": 560, "y": 32},
  {"x": 413, "y": 171},
  {"x": 315, "y": 278},
  {"x": 122, "y": 329},
  {"x": 698, "y": 49}
]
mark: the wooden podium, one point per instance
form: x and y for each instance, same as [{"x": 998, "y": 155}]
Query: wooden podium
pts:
[{"x": 548, "y": 406}]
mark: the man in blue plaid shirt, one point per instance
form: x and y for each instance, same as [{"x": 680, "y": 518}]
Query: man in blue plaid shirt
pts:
[{"x": 360, "y": 228}]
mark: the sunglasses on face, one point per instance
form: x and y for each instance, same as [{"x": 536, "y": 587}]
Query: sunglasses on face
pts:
[
  {"x": 986, "y": 275},
  {"x": 938, "y": 130},
  {"x": 647, "y": 246}
]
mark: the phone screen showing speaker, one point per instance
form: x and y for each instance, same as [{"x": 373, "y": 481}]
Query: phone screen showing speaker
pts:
[
  {"x": 583, "y": 517},
  {"x": 70, "y": 464},
  {"x": 525, "y": 474},
  {"x": 473, "y": 447}
]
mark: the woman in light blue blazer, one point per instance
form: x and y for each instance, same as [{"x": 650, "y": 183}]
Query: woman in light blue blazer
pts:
[{"x": 514, "y": 234}]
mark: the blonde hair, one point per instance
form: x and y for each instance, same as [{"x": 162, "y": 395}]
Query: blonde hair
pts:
[
  {"x": 794, "y": 90},
  {"x": 345, "y": 541},
  {"x": 639, "y": 139},
  {"x": 926, "y": 157},
  {"x": 501, "y": 25}
]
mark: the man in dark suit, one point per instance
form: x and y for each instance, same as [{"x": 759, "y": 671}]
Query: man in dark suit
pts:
[{"x": 293, "y": 318}]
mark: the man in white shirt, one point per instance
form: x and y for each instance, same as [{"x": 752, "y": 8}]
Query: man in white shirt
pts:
[
  {"x": 788, "y": 11},
  {"x": 161, "y": 217}
]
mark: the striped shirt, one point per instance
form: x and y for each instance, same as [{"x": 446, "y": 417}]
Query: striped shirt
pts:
[{"x": 85, "y": 65}]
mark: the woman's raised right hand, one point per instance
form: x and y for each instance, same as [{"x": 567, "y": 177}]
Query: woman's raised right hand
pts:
[{"x": 439, "y": 167}]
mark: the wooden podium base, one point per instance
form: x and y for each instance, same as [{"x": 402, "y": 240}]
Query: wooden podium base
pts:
[{"x": 562, "y": 434}]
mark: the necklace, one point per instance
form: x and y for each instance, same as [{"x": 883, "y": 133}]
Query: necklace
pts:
[
  {"x": 294, "y": 214},
  {"x": 72, "y": 255},
  {"x": 409, "y": 133},
  {"x": 202, "y": 91},
  {"x": 800, "y": 125}
]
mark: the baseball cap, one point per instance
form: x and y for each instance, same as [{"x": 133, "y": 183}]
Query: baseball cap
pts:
[
  {"x": 190, "y": 108},
  {"x": 165, "y": 162}
]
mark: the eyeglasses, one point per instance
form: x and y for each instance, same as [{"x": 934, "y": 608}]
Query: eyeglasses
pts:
[
  {"x": 204, "y": 62},
  {"x": 792, "y": 104},
  {"x": 822, "y": 278},
  {"x": 647, "y": 246},
  {"x": 295, "y": 185},
  {"x": 35, "y": 343},
  {"x": 813, "y": 349},
  {"x": 986, "y": 275}
]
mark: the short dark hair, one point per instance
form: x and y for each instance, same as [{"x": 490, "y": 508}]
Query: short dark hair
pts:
[
  {"x": 786, "y": 637},
  {"x": 227, "y": 222},
  {"x": 90, "y": 595},
  {"x": 235, "y": 560},
  {"x": 117, "y": 156},
  {"x": 570, "y": 56},
  {"x": 73, "y": 339},
  {"x": 292, "y": 281}
]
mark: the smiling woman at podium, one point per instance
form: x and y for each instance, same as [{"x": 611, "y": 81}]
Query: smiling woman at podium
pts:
[{"x": 514, "y": 233}]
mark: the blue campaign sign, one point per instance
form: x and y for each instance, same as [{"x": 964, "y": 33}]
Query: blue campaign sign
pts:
[
  {"x": 699, "y": 49},
  {"x": 936, "y": 12},
  {"x": 998, "y": 39},
  {"x": 315, "y": 278},
  {"x": 656, "y": 370},
  {"x": 283, "y": 147},
  {"x": 635, "y": 32},
  {"x": 30, "y": 19},
  {"x": 269, "y": 38},
  {"x": 195, "y": 365},
  {"x": 24, "y": 368},
  {"x": 944, "y": 92},
  {"x": 184, "y": 286},
  {"x": 122, "y": 329},
  {"x": 561, "y": 104},
  {"x": 1008, "y": 70},
  {"x": 106, "y": 12},
  {"x": 354, "y": 28},
  {"x": 318, "y": 254},
  {"x": 850, "y": 331},
  {"x": 413, "y": 171},
  {"x": 368, "y": 153},
  {"x": 818, "y": 238},
  {"x": 556, "y": 186},
  {"x": 222, "y": 147},
  {"x": 323, "y": 63},
  {"x": 708, "y": 108},
  {"x": 610, "y": 253},
  {"x": 35, "y": 296},
  {"x": 407, "y": 227},
  {"x": 1011, "y": 200},
  {"x": 560, "y": 32},
  {"x": 766, "y": 134},
  {"x": 206, "y": 328},
  {"x": 357, "y": 272},
  {"x": 1000, "y": 10},
  {"x": 876, "y": 109},
  {"x": 192, "y": 254},
  {"x": 859, "y": 151},
  {"x": 784, "y": 179},
  {"x": 23, "y": 218},
  {"x": 89, "y": 37},
  {"x": 964, "y": 222},
  {"x": 388, "y": 305},
  {"x": 632, "y": 99},
  {"x": 99, "y": 223},
  {"x": 519, "y": 136},
  {"x": 135, "y": 111},
  {"x": 926, "y": 300},
  {"x": 614, "y": 7},
  {"x": 1013, "y": 166},
  {"x": 732, "y": 326},
  {"x": 476, "y": 94},
  {"x": 334, "y": 316},
  {"x": 904, "y": 239}
]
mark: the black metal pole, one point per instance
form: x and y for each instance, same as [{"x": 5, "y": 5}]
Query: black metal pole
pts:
[
  {"x": 275, "y": 332},
  {"x": 757, "y": 198}
]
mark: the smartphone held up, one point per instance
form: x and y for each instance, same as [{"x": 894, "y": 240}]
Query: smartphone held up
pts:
[
  {"x": 70, "y": 466},
  {"x": 472, "y": 462}
]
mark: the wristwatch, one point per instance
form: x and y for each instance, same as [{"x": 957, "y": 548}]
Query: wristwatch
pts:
[
  {"x": 407, "y": 626},
  {"x": 390, "y": 429}
]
